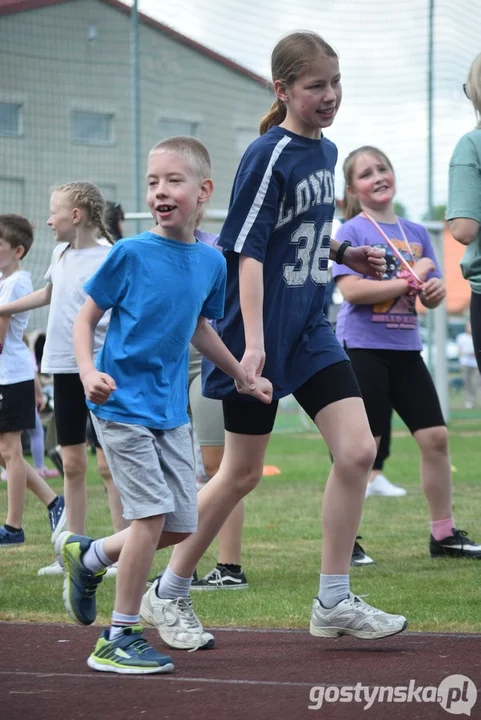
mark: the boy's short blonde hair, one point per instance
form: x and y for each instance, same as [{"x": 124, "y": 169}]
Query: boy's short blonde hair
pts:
[{"x": 191, "y": 150}]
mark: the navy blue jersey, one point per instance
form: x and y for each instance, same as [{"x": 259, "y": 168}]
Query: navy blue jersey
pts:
[{"x": 280, "y": 213}]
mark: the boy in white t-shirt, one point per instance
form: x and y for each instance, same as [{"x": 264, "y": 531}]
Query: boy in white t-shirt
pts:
[{"x": 17, "y": 390}]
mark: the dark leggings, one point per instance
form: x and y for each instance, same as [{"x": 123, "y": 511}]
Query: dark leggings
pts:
[
  {"x": 384, "y": 449},
  {"x": 476, "y": 325}
]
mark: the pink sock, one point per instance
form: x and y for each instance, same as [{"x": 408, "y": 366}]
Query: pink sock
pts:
[{"x": 442, "y": 528}]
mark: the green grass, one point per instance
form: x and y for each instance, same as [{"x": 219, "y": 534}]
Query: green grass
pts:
[{"x": 281, "y": 552}]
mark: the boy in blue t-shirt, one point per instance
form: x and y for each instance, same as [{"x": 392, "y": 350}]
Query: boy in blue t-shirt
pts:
[{"x": 162, "y": 287}]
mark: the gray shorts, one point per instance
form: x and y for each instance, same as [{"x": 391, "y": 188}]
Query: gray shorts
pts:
[
  {"x": 153, "y": 470},
  {"x": 206, "y": 414}
]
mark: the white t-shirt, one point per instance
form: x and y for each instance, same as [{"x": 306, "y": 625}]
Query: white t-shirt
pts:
[
  {"x": 15, "y": 362},
  {"x": 467, "y": 358},
  {"x": 69, "y": 270}
]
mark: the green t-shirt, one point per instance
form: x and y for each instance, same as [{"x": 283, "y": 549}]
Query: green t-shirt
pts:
[{"x": 465, "y": 199}]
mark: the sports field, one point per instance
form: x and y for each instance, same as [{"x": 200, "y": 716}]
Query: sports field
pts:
[{"x": 282, "y": 543}]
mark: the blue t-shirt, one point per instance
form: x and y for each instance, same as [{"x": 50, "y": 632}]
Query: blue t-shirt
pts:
[
  {"x": 157, "y": 289},
  {"x": 280, "y": 213}
]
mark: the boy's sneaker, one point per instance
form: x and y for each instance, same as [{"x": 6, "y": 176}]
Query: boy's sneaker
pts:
[
  {"x": 220, "y": 578},
  {"x": 58, "y": 518},
  {"x": 54, "y": 569},
  {"x": 128, "y": 654},
  {"x": 79, "y": 585},
  {"x": 382, "y": 486},
  {"x": 354, "y": 617},
  {"x": 177, "y": 624},
  {"x": 9, "y": 539},
  {"x": 456, "y": 545},
  {"x": 358, "y": 556}
]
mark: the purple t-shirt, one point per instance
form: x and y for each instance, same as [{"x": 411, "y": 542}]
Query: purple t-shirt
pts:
[
  {"x": 206, "y": 238},
  {"x": 392, "y": 324}
]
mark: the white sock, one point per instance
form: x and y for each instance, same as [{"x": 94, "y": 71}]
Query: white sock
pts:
[
  {"x": 120, "y": 622},
  {"x": 333, "y": 589},
  {"x": 95, "y": 559},
  {"x": 172, "y": 586}
]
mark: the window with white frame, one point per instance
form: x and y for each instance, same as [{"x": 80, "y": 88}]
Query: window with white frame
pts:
[
  {"x": 92, "y": 128},
  {"x": 170, "y": 127},
  {"x": 10, "y": 119}
]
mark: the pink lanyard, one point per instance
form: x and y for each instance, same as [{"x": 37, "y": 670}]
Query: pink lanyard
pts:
[{"x": 392, "y": 246}]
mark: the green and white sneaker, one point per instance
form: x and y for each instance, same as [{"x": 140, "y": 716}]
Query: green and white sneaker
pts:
[
  {"x": 354, "y": 617},
  {"x": 128, "y": 654},
  {"x": 79, "y": 585}
]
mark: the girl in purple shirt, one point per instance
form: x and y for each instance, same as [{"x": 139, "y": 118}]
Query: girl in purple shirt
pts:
[{"x": 379, "y": 329}]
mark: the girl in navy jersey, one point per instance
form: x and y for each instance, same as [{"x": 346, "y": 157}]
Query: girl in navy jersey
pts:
[
  {"x": 277, "y": 244},
  {"x": 379, "y": 327}
]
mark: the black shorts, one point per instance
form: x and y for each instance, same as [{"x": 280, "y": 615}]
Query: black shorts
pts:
[
  {"x": 70, "y": 409},
  {"x": 333, "y": 383},
  {"x": 17, "y": 407},
  {"x": 398, "y": 379}
]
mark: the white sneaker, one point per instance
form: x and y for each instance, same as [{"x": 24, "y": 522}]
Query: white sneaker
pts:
[
  {"x": 381, "y": 486},
  {"x": 111, "y": 571},
  {"x": 54, "y": 569},
  {"x": 178, "y": 625},
  {"x": 354, "y": 617}
]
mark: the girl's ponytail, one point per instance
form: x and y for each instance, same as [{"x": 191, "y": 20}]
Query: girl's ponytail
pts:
[
  {"x": 275, "y": 116},
  {"x": 351, "y": 206},
  {"x": 104, "y": 232}
]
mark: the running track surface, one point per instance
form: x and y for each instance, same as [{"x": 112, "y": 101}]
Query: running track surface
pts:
[{"x": 250, "y": 675}]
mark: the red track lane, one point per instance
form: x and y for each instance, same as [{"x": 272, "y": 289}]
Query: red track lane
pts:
[{"x": 250, "y": 675}]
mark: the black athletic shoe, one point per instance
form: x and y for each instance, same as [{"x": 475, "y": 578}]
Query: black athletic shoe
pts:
[
  {"x": 56, "y": 458},
  {"x": 151, "y": 580},
  {"x": 456, "y": 545},
  {"x": 220, "y": 578},
  {"x": 358, "y": 556}
]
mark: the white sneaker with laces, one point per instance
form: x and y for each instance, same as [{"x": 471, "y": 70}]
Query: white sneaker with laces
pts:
[
  {"x": 381, "y": 486},
  {"x": 111, "y": 571},
  {"x": 54, "y": 569},
  {"x": 177, "y": 624},
  {"x": 354, "y": 617}
]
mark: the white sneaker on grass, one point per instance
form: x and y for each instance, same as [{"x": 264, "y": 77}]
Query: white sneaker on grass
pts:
[
  {"x": 177, "y": 624},
  {"x": 54, "y": 569},
  {"x": 382, "y": 486},
  {"x": 111, "y": 571},
  {"x": 354, "y": 617}
]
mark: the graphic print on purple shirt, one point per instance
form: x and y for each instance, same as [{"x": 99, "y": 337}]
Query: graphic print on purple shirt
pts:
[{"x": 393, "y": 324}]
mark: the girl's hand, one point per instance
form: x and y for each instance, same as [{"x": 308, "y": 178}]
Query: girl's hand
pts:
[
  {"x": 98, "y": 386},
  {"x": 423, "y": 267},
  {"x": 253, "y": 363},
  {"x": 366, "y": 260},
  {"x": 40, "y": 401},
  {"x": 262, "y": 389},
  {"x": 433, "y": 292}
]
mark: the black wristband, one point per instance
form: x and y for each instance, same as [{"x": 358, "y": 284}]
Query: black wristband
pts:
[{"x": 341, "y": 251}]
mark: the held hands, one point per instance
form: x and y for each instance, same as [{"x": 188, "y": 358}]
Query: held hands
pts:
[
  {"x": 253, "y": 384},
  {"x": 98, "y": 386},
  {"x": 366, "y": 260}
]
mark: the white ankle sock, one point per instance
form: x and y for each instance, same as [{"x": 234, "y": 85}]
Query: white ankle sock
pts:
[
  {"x": 95, "y": 559},
  {"x": 172, "y": 586},
  {"x": 333, "y": 589}
]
